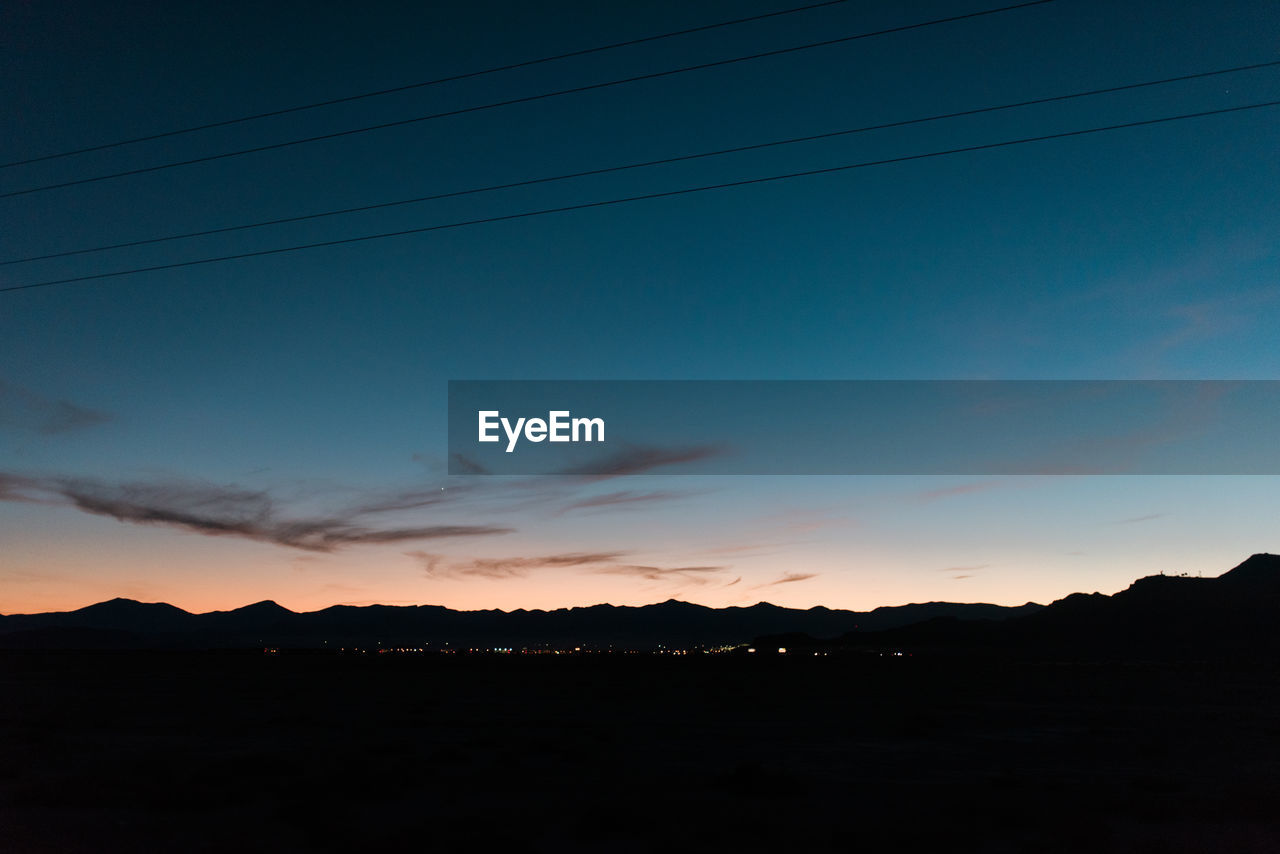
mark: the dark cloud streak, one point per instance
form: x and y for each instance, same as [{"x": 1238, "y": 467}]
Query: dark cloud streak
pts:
[
  {"x": 637, "y": 460},
  {"x": 25, "y": 410},
  {"x": 624, "y": 497},
  {"x": 229, "y": 511},
  {"x": 440, "y": 566},
  {"x": 788, "y": 578},
  {"x": 678, "y": 574}
]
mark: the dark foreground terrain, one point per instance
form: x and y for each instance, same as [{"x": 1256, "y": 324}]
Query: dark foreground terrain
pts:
[{"x": 249, "y": 752}]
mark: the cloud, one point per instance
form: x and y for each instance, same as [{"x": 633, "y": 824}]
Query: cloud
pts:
[
  {"x": 460, "y": 464},
  {"x": 597, "y": 563},
  {"x": 409, "y": 499},
  {"x": 1198, "y": 320},
  {"x": 960, "y": 489},
  {"x": 658, "y": 573},
  {"x": 1184, "y": 292},
  {"x": 30, "y": 412},
  {"x": 1185, "y": 413},
  {"x": 347, "y": 517},
  {"x": 963, "y": 572},
  {"x": 1135, "y": 519},
  {"x": 680, "y": 575},
  {"x": 28, "y": 490},
  {"x": 440, "y": 566},
  {"x": 231, "y": 511},
  {"x": 637, "y": 460},
  {"x": 624, "y": 497},
  {"x": 788, "y": 578}
]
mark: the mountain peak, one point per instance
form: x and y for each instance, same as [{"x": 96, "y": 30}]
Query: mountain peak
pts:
[
  {"x": 122, "y": 604},
  {"x": 266, "y": 606},
  {"x": 1261, "y": 568},
  {"x": 676, "y": 603}
]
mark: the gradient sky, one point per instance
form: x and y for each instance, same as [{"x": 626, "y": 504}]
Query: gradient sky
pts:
[{"x": 295, "y": 404}]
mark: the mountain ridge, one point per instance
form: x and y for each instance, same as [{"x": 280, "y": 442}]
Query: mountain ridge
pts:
[
  {"x": 1156, "y": 611},
  {"x": 669, "y": 622},
  {"x": 1160, "y": 616}
]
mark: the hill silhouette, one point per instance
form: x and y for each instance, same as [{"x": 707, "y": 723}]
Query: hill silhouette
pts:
[
  {"x": 124, "y": 622},
  {"x": 1156, "y": 616},
  {"x": 1160, "y": 615}
]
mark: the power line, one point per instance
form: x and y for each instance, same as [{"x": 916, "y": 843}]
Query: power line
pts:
[
  {"x": 643, "y": 164},
  {"x": 453, "y": 78},
  {"x": 522, "y": 100},
  {"x": 625, "y": 200}
]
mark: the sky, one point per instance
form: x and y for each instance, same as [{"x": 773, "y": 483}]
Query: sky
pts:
[{"x": 273, "y": 427}]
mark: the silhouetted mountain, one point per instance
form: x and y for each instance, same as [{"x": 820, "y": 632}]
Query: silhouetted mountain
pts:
[
  {"x": 892, "y": 616},
  {"x": 670, "y": 623},
  {"x": 1259, "y": 574},
  {"x": 1157, "y": 616},
  {"x": 115, "y": 614}
]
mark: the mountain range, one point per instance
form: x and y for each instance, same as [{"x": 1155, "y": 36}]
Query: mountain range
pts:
[
  {"x": 127, "y": 623},
  {"x": 1159, "y": 616},
  {"x": 1157, "y": 611}
]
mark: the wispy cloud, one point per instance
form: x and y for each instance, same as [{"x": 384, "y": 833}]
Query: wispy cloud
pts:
[
  {"x": 1134, "y": 519},
  {"x": 637, "y": 460},
  {"x": 442, "y": 566},
  {"x": 1198, "y": 309},
  {"x": 288, "y": 516},
  {"x": 25, "y": 410},
  {"x": 970, "y": 569},
  {"x": 462, "y": 464},
  {"x": 1184, "y": 414},
  {"x": 976, "y": 486},
  {"x": 28, "y": 490},
  {"x": 439, "y": 566},
  {"x": 408, "y": 499},
  {"x": 230, "y": 511},
  {"x": 787, "y": 578},
  {"x": 628, "y": 498},
  {"x": 680, "y": 575},
  {"x": 1200, "y": 321},
  {"x": 1190, "y": 297}
]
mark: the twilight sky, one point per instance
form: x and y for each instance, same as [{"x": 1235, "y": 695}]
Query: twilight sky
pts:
[{"x": 273, "y": 427}]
